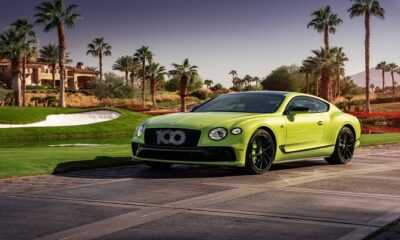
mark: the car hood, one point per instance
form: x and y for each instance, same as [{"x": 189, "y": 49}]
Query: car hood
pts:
[{"x": 197, "y": 120}]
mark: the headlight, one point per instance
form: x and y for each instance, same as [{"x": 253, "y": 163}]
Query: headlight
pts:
[
  {"x": 217, "y": 134},
  {"x": 139, "y": 130}
]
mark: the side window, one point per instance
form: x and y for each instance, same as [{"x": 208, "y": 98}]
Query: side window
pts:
[
  {"x": 321, "y": 106},
  {"x": 303, "y": 102}
]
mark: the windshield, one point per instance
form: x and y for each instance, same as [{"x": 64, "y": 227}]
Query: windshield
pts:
[{"x": 243, "y": 102}]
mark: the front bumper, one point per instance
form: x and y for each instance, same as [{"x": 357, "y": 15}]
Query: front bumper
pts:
[{"x": 213, "y": 155}]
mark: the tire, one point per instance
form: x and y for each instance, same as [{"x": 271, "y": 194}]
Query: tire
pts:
[
  {"x": 159, "y": 165},
  {"x": 344, "y": 147},
  {"x": 260, "y": 152}
]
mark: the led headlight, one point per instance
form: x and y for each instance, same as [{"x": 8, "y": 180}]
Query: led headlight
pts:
[
  {"x": 139, "y": 130},
  {"x": 236, "y": 131},
  {"x": 217, "y": 134}
]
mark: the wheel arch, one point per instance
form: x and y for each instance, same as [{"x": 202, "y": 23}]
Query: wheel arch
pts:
[
  {"x": 351, "y": 128},
  {"x": 269, "y": 130}
]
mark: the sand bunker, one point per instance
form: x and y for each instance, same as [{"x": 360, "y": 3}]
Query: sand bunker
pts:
[{"x": 73, "y": 119}]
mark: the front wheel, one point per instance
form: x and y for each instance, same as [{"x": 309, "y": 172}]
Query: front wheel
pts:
[
  {"x": 260, "y": 152},
  {"x": 344, "y": 147}
]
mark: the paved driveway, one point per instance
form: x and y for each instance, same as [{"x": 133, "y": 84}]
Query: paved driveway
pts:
[{"x": 302, "y": 200}]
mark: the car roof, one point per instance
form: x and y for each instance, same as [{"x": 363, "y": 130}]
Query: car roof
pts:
[{"x": 281, "y": 93}]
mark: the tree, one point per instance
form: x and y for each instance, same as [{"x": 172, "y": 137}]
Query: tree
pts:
[
  {"x": 393, "y": 68},
  {"x": 307, "y": 70},
  {"x": 284, "y": 78},
  {"x": 340, "y": 59},
  {"x": 372, "y": 86},
  {"x": 144, "y": 55},
  {"x": 14, "y": 47},
  {"x": 247, "y": 80},
  {"x": 99, "y": 48},
  {"x": 234, "y": 75},
  {"x": 186, "y": 72},
  {"x": 367, "y": 8},
  {"x": 257, "y": 80},
  {"x": 156, "y": 73},
  {"x": 124, "y": 64},
  {"x": 208, "y": 83},
  {"x": 325, "y": 21},
  {"x": 323, "y": 62},
  {"x": 25, "y": 28},
  {"x": 50, "y": 55},
  {"x": 384, "y": 68},
  {"x": 55, "y": 15}
]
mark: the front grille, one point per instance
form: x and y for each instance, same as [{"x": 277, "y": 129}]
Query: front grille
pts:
[
  {"x": 171, "y": 137},
  {"x": 201, "y": 154}
]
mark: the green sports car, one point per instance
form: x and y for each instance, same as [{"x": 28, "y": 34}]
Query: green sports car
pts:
[{"x": 251, "y": 130}]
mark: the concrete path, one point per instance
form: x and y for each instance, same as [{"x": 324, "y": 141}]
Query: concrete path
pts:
[{"x": 302, "y": 200}]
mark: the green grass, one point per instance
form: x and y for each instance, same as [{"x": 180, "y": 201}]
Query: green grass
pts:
[
  {"x": 23, "y": 161},
  {"x": 377, "y": 139},
  {"x": 20, "y": 115},
  {"x": 122, "y": 126}
]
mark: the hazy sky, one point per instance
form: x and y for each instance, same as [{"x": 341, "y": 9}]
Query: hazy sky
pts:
[{"x": 250, "y": 36}]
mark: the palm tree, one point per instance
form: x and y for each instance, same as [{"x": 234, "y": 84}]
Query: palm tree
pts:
[
  {"x": 124, "y": 64},
  {"x": 144, "y": 55},
  {"x": 393, "y": 68},
  {"x": 384, "y": 68},
  {"x": 307, "y": 70},
  {"x": 99, "y": 48},
  {"x": 14, "y": 47},
  {"x": 25, "y": 28},
  {"x": 134, "y": 70},
  {"x": 372, "y": 86},
  {"x": 325, "y": 21},
  {"x": 50, "y": 55},
  {"x": 55, "y": 15},
  {"x": 234, "y": 74},
  {"x": 156, "y": 73},
  {"x": 208, "y": 83},
  {"x": 367, "y": 8},
  {"x": 247, "y": 80},
  {"x": 323, "y": 62},
  {"x": 340, "y": 59},
  {"x": 186, "y": 73},
  {"x": 257, "y": 80}
]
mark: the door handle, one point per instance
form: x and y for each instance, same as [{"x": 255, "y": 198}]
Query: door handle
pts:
[{"x": 320, "y": 123}]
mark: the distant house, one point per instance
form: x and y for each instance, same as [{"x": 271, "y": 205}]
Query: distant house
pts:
[{"x": 40, "y": 74}]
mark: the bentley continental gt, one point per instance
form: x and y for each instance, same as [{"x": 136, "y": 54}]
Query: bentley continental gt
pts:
[{"x": 251, "y": 130}]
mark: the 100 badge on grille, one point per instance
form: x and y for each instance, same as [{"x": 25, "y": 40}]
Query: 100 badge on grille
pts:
[{"x": 167, "y": 137}]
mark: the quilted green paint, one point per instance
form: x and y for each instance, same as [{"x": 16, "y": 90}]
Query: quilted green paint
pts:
[{"x": 298, "y": 135}]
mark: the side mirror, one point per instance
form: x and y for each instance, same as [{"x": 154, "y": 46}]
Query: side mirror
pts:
[{"x": 297, "y": 109}]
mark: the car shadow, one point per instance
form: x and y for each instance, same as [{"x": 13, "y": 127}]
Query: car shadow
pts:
[{"x": 103, "y": 167}]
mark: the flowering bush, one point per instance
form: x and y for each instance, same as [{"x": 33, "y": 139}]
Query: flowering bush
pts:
[{"x": 376, "y": 114}]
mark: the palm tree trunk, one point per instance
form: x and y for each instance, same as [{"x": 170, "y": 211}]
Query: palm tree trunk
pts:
[
  {"x": 132, "y": 78},
  {"x": 325, "y": 86},
  {"x": 153, "y": 92},
  {"x": 126, "y": 77},
  {"x": 184, "y": 85},
  {"x": 367, "y": 38},
  {"x": 101, "y": 65},
  {"x": 393, "y": 86},
  {"x": 337, "y": 85},
  {"x": 308, "y": 83},
  {"x": 316, "y": 86},
  {"x": 326, "y": 37},
  {"x": 143, "y": 83},
  {"x": 53, "y": 74},
  {"x": 383, "y": 81},
  {"x": 15, "y": 70},
  {"x": 61, "y": 60},
  {"x": 24, "y": 82}
]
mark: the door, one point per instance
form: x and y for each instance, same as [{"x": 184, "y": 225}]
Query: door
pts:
[{"x": 304, "y": 130}]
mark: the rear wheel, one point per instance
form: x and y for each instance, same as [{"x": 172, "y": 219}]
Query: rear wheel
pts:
[
  {"x": 260, "y": 152},
  {"x": 159, "y": 165},
  {"x": 344, "y": 148}
]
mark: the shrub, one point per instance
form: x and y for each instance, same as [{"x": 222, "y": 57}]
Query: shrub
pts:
[
  {"x": 200, "y": 94},
  {"x": 174, "y": 84},
  {"x": 284, "y": 78},
  {"x": 252, "y": 88},
  {"x": 113, "y": 86},
  {"x": 6, "y": 97}
]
